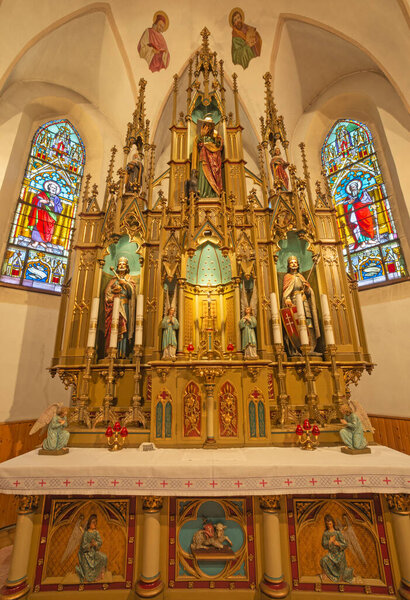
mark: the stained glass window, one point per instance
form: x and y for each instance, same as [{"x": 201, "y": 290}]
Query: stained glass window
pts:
[
  {"x": 42, "y": 228},
  {"x": 371, "y": 247}
]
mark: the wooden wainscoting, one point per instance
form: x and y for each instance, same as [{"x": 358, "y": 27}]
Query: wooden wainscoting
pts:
[
  {"x": 393, "y": 432},
  {"x": 14, "y": 440}
]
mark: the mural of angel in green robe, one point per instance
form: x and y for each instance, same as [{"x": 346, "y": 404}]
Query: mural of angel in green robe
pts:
[
  {"x": 334, "y": 563},
  {"x": 92, "y": 562}
]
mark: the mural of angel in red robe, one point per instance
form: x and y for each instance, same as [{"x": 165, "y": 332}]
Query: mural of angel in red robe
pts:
[
  {"x": 44, "y": 214},
  {"x": 207, "y": 159},
  {"x": 152, "y": 45}
]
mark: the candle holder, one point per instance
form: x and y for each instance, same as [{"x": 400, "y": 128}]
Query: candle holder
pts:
[
  {"x": 190, "y": 349},
  {"x": 308, "y": 436},
  {"x": 230, "y": 348},
  {"x": 116, "y": 437}
]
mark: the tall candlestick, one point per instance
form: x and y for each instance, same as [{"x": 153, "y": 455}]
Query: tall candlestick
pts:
[
  {"x": 114, "y": 322},
  {"x": 303, "y": 332},
  {"x": 276, "y": 324},
  {"x": 327, "y": 321},
  {"x": 139, "y": 320},
  {"x": 93, "y": 323}
]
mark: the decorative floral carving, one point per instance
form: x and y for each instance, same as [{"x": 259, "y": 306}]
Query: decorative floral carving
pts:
[
  {"x": 152, "y": 503},
  {"x": 228, "y": 411},
  {"x": 399, "y": 503},
  {"x": 269, "y": 503},
  {"x": 192, "y": 411},
  {"x": 27, "y": 504}
]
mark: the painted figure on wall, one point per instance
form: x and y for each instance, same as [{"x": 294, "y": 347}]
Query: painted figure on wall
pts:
[
  {"x": 44, "y": 214},
  {"x": 134, "y": 172},
  {"x": 152, "y": 45},
  {"x": 207, "y": 159},
  {"x": 169, "y": 326},
  {"x": 334, "y": 563},
  {"x": 92, "y": 562},
  {"x": 295, "y": 283},
  {"x": 121, "y": 285},
  {"x": 246, "y": 41},
  {"x": 358, "y": 215},
  {"x": 278, "y": 167},
  {"x": 352, "y": 435},
  {"x": 247, "y": 326}
]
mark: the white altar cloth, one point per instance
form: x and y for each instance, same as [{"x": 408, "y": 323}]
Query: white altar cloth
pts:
[{"x": 197, "y": 472}]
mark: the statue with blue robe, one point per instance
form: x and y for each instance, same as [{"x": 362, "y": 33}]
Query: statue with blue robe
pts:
[
  {"x": 247, "y": 325},
  {"x": 169, "y": 326}
]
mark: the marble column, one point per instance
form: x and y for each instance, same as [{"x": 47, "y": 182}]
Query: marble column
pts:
[
  {"x": 149, "y": 583},
  {"x": 399, "y": 505},
  {"x": 16, "y": 585},
  {"x": 273, "y": 584},
  {"x": 237, "y": 316},
  {"x": 181, "y": 317},
  {"x": 210, "y": 401}
]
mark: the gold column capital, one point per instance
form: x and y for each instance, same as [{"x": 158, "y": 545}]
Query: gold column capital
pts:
[
  {"x": 269, "y": 503},
  {"x": 27, "y": 504},
  {"x": 152, "y": 503},
  {"x": 399, "y": 503}
]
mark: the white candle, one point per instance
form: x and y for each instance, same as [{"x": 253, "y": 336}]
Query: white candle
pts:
[
  {"x": 276, "y": 324},
  {"x": 303, "y": 332},
  {"x": 114, "y": 322},
  {"x": 139, "y": 320},
  {"x": 327, "y": 321},
  {"x": 95, "y": 304}
]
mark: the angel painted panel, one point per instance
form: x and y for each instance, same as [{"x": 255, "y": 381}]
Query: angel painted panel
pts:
[
  {"x": 339, "y": 542},
  {"x": 364, "y": 215},
  {"x": 41, "y": 232},
  {"x": 86, "y": 544}
]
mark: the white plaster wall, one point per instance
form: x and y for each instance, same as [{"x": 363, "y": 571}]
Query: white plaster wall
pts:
[
  {"x": 28, "y": 327},
  {"x": 386, "y": 314}
]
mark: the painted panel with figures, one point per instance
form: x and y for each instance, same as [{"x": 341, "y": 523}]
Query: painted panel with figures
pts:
[
  {"x": 86, "y": 544},
  {"x": 339, "y": 544}
]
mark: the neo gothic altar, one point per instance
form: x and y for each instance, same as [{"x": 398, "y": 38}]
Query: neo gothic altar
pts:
[{"x": 207, "y": 307}]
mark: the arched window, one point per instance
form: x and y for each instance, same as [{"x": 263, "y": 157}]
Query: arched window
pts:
[
  {"x": 370, "y": 244},
  {"x": 40, "y": 237}
]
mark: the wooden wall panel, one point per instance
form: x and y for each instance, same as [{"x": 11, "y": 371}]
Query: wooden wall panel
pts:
[
  {"x": 392, "y": 432},
  {"x": 14, "y": 440}
]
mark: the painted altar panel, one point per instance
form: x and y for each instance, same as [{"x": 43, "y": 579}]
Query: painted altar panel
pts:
[
  {"x": 86, "y": 544},
  {"x": 230, "y": 567},
  {"x": 338, "y": 544}
]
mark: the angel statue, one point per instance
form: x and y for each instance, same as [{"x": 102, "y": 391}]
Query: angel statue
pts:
[
  {"x": 247, "y": 325},
  {"x": 55, "y": 416},
  {"x": 169, "y": 325},
  {"x": 352, "y": 434},
  {"x": 334, "y": 563}
]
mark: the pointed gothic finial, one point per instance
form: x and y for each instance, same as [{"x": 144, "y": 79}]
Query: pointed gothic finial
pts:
[
  {"x": 86, "y": 191},
  {"x": 304, "y": 161},
  {"x": 111, "y": 164},
  {"x": 205, "y": 33},
  {"x": 235, "y": 83},
  {"x": 175, "y": 97},
  {"x": 269, "y": 101}
]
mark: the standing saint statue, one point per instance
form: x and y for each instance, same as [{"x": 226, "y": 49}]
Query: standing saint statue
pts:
[
  {"x": 247, "y": 325},
  {"x": 278, "y": 167},
  {"x": 169, "y": 326},
  {"x": 294, "y": 283},
  {"x": 121, "y": 285},
  {"x": 134, "y": 172},
  {"x": 207, "y": 160}
]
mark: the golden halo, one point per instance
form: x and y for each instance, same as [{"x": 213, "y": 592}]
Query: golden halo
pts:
[
  {"x": 233, "y": 11},
  {"x": 162, "y": 14}
]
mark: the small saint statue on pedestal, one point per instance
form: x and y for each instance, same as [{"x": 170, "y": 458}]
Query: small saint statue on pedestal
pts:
[
  {"x": 352, "y": 435},
  {"x": 247, "y": 326},
  {"x": 169, "y": 326}
]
